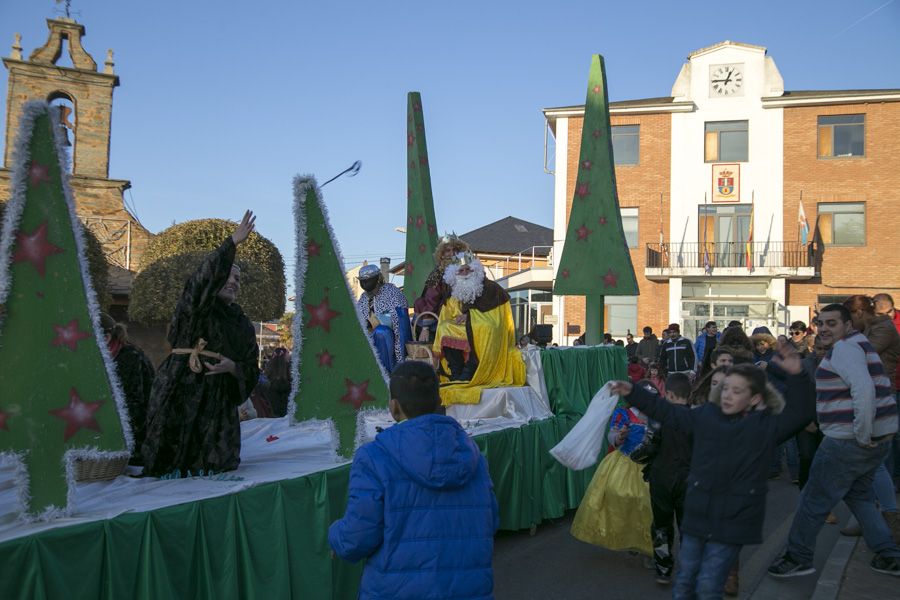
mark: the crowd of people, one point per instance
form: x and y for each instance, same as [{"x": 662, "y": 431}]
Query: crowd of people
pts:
[{"x": 692, "y": 444}]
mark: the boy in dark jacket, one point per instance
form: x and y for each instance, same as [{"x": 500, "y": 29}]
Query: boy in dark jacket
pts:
[
  {"x": 421, "y": 506},
  {"x": 735, "y": 436},
  {"x": 667, "y": 475}
]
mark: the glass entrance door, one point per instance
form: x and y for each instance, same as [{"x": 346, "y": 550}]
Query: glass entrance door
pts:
[{"x": 751, "y": 314}]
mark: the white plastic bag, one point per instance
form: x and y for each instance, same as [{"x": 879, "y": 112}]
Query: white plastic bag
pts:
[{"x": 581, "y": 446}]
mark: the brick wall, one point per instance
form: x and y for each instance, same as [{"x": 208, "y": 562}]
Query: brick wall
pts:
[
  {"x": 638, "y": 186},
  {"x": 873, "y": 179}
]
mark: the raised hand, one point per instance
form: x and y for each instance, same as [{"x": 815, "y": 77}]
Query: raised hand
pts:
[
  {"x": 621, "y": 388},
  {"x": 788, "y": 359},
  {"x": 243, "y": 231}
]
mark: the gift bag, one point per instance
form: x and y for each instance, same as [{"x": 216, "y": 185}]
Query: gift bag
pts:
[{"x": 581, "y": 446}]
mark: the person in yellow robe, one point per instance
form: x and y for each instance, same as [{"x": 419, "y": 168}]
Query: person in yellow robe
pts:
[{"x": 476, "y": 337}]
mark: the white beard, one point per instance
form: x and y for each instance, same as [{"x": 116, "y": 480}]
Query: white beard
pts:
[{"x": 465, "y": 289}]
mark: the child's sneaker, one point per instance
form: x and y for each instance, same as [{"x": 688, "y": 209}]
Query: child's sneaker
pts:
[
  {"x": 889, "y": 565},
  {"x": 786, "y": 566}
]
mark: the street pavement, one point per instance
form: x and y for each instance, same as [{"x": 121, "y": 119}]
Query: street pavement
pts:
[{"x": 551, "y": 564}]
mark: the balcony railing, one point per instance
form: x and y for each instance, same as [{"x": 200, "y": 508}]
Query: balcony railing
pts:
[{"x": 712, "y": 255}]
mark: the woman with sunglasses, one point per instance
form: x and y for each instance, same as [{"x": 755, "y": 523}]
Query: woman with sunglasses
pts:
[{"x": 798, "y": 333}]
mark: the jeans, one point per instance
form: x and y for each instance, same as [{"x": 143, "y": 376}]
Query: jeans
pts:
[
  {"x": 702, "y": 568},
  {"x": 844, "y": 470},
  {"x": 884, "y": 487},
  {"x": 807, "y": 444},
  {"x": 789, "y": 451}
]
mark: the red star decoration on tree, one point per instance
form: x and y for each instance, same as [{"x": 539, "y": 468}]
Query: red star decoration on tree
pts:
[
  {"x": 611, "y": 279},
  {"x": 409, "y": 268},
  {"x": 420, "y": 128},
  {"x": 321, "y": 315},
  {"x": 582, "y": 190},
  {"x": 68, "y": 335},
  {"x": 597, "y": 89},
  {"x": 602, "y": 220},
  {"x": 34, "y": 248},
  {"x": 410, "y": 138},
  {"x": 431, "y": 229},
  {"x": 77, "y": 415},
  {"x": 357, "y": 393},
  {"x": 583, "y": 232},
  {"x": 565, "y": 273},
  {"x": 597, "y": 133},
  {"x": 3, "y": 417},
  {"x": 38, "y": 173},
  {"x": 326, "y": 359},
  {"x": 417, "y": 107},
  {"x": 422, "y": 248},
  {"x": 586, "y": 165},
  {"x": 312, "y": 248},
  {"x": 423, "y": 160},
  {"x": 420, "y": 221}
]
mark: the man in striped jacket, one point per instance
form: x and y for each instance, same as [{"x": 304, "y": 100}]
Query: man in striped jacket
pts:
[{"x": 858, "y": 416}]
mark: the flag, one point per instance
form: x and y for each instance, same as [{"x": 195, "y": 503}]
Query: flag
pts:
[
  {"x": 804, "y": 225},
  {"x": 707, "y": 265},
  {"x": 750, "y": 240}
]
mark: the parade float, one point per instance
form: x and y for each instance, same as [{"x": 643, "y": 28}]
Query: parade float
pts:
[{"x": 67, "y": 531}]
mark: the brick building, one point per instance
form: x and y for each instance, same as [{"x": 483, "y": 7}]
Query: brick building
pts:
[
  {"x": 711, "y": 180},
  {"x": 84, "y": 97}
]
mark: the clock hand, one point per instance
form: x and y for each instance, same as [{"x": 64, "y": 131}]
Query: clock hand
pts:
[{"x": 729, "y": 77}]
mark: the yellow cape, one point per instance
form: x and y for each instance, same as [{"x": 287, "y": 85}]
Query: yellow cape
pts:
[{"x": 494, "y": 336}]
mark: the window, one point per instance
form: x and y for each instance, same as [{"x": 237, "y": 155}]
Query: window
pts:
[
  {"x": 723, "y": 232},
  {"x": 630, "y": 225},
  {"x": 625, "y": 139},
  {"x": 843, "y": 223},
  {"x": 621, "y": 315},
  {"x": 841, "y": 136},
  {"x": 726, "y": 141}
]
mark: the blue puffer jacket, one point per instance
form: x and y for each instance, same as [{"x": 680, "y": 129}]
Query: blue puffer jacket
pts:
[{"x": 422, "y": 510}]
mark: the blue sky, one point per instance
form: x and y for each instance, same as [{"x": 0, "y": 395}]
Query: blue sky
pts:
[{"x": 222, "y": 103}]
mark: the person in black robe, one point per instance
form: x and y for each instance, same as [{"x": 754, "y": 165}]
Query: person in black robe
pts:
[
  {"x": 136, "y": 375},
  {"x": 193, "y": 423}
]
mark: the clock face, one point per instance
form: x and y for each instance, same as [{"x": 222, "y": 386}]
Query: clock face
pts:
[{"x": 726, "y": 80}]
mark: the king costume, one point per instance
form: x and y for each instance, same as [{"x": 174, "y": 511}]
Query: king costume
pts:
[
  {"x": 193, "y": 423},
  {"x": 476, "y": 337}
]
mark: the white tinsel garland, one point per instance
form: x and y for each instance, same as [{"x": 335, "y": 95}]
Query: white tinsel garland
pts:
[{"x": 302, "y": 185}]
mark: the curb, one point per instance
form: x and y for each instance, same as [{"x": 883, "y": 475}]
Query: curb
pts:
[{"x": 828, "y": 586}]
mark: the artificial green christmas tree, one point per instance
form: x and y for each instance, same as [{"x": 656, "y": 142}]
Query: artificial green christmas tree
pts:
[
  {"x": 60, "y": 400},
  {"x": 336, "y": 373},
  {"x": 595, "y": 260},
  {"x": 421, "y": 226}
]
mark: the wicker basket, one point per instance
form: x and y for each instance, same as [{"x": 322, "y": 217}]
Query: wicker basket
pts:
[
  {"x": 421, "y": 350},
  {"x": 99, "y": 469}
]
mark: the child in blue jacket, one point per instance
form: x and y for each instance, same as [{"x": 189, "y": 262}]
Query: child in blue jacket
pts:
[{"x": 421, "y": 507}]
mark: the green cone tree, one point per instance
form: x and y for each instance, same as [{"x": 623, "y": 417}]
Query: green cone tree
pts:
[
  {"x": 421, "y": 226},
  {"x": 595, "y": 260},
  {"x": 59, "y": 396},
  {"x": 336, "y": 373}
]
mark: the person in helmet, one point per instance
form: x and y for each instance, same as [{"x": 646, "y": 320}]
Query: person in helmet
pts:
[{"x": 381, "y": 306}]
